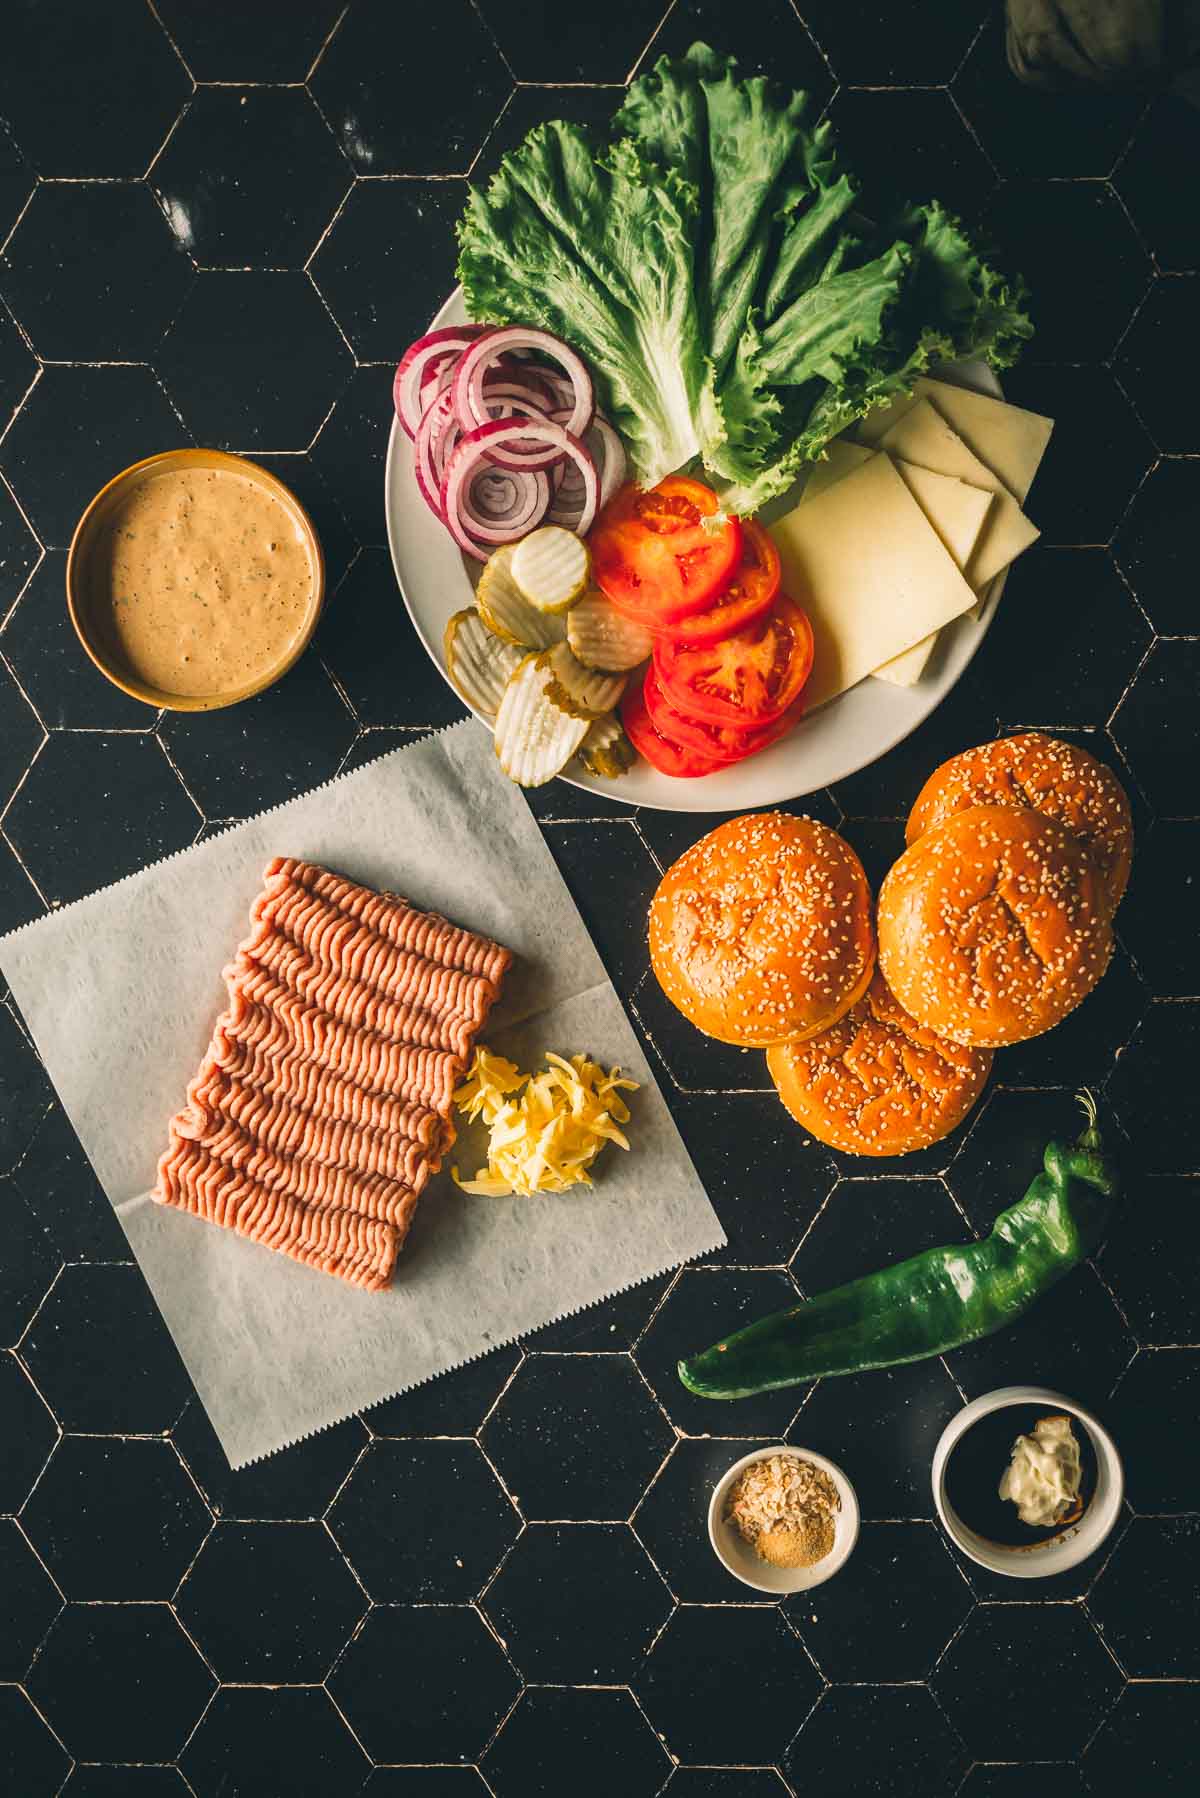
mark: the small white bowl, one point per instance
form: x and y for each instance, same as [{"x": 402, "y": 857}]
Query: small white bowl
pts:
[
  {"x": 740, "y": 1559},
  {"x": 1053, "y": 1554}
]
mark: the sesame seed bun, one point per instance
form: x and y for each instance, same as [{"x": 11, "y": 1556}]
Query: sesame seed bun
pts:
[
  {"x": 877, "y": 1082},
  {"x": 993, "y": 926},
  {"x": 761, "y": 932},
  {"x": 1046, "y": 776}
]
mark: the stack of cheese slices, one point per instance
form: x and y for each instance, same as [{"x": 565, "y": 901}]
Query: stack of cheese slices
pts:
[{"x": 907, "y": 528}]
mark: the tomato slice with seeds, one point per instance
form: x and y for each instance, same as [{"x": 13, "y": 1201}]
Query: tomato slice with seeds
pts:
[
  {"x": 660, "y": 554},
  {"x": 745, "y": 681},
  {"x": 661, "y": 752},
  {"x": 717, "y": 741},
  {"x": 754, "y": 584}
]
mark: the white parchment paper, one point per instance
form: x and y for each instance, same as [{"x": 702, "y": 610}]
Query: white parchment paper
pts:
[{"x": 120, "y": 992}]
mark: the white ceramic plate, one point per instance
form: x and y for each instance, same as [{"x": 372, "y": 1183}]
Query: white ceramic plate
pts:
[{"x": 839, "y": 739}]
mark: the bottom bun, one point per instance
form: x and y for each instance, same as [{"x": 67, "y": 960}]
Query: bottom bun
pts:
[{"x": 877, "y": 1082}]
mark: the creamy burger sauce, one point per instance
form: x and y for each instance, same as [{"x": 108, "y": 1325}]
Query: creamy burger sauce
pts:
[{"x": 205, "y": 578}]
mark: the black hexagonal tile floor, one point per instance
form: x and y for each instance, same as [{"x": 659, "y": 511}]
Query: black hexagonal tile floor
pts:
[
  {"x": 270, "y": 1602},
  {"x": 116, "y": 1518},
  {"x": 1005, "y": 1147},
  {"x": 868, "y": 1223},
  {"x": 766, "y": 1178},
  {"x": 540, "y": 44},
  {"x": 28, "y": 1267},
  {"x": 255, "y": 1740},
  {"x": 612, "y": 880},
  {"x": 29, "y": 1604},
  {"x": 727, "y": 1684},
  {"x": 908, "y": 143},
  {"x": 1158, "y": 728},
  {"x": 589, "y": 107},
  {"x": 21, "y": 733},
  {"x": 79, "y": 427},
  {"x": 1152, "y": 545},
  {"x": 1083, "y": 1046},
  {"x": 376, "y": 740},
  {"x": 670, "y": 1521},
  {"x": 892, "y": 1610},
  {"x": 251, "y": 177},
  {"x": 128, "y": 1781},
  {"x": 1073, "y": 1340},
  {"x": 29, "y": 1431},
  {"x": 1091, "y": 634},
  {"x": 877, "y": 1742},
  {"x": 24, "y": 1091},
  {"x": 233, "y": 357},
  {"x": 425, "y": 1782},
  {"x": 19, "y": 548},
  {"x": 767, "y": 38},
  {"x": 1151, "y": 1741},
  {"x": 465, "y": 1687},
  {"x": 615, "y": 1323},
  {"x": 1145, "y": 1599},
  {"x": 1033, "y": 131},
  {"x": 690, "y": 1060},
  {"x": 63, "y": 683},
  {"x": 1098, "y": 453},
  {"x": 1148, "y": 363},
  {"x": 101, "y": 1355},
  {"x": 441, "y": 125},
  {"x": 725, "y": 1782},
  {"x": 701, "y": 1307},
  {"x": 576, "y": 1437},
  {"x": 120, "y": 1682},
  {"x": 996, "y": 1671},
  {"x": 404, "y": 1541},
  {"x": 1149, "y": 1258},
  {"x": 297, "y": 1483},
  {"x": 19, "y": 898},
  {"x": 30, "y": 1758},
  {"x": 355, "y": 437},
  {"x": 93, "y": 273},
  {"x": 96, "y": 807},
  {"x": 268, "y": 749},
  {"x": 883, "y": 1426},
  {"x": 18, "y": 366},
  {"x": 56, "y": 1180},
  {"x": 1168, "y": 137},
  {"x": 16, "y": 181},
  {"x": 577, "y": 1603},
  {"x": 1061, "y": 235},
  {"x": 380, "y": 293},
  {"x": 998, "y": 1779},
  {"x": 82, "y": 102},
  {"x": 589, "y": 1742},
  {"x": 1158, "y": 1396},
  {"x": 925, "y": 48},
  {"x": 254, "y": 43},
  {"x": 1149, "y": 1087},
  {"x": 455, "y": 1404},
  {"x": 371, "y": 647}
]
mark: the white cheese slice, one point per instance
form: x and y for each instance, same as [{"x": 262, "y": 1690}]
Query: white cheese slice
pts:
[
  {"x": 872, "y": 574},
  {"x": 923, "y": 436},
  {"x": 1008, "y": 439},
  {"x": 955, "y": 509}
]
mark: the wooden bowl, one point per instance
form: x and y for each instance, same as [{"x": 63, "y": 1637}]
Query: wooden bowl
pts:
[{"x": 87, "y": 607}]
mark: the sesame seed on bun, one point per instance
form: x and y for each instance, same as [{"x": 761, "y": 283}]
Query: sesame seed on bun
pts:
[
  {"x": 1047, "y": 776},
  {"x": 877, "y": 1082},
  {"x": 761, "y": 932},
  {"x": 993, "y": 926}
]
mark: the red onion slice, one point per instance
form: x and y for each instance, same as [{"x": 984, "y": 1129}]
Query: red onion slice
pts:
[
  {"x": 467, "y": 512},
  {"x": 471, "y": 372},
  {"x": 432, "y": 430},
  {"x": 568, "y": 507},
  {"x": 451, "y": 340}
]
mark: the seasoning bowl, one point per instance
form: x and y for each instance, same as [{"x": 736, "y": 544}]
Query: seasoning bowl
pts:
[
  {"x": 1068, "y": 1546},
  {"x": 736, "y": 1554},
  {"x": 87, "y": 606}
]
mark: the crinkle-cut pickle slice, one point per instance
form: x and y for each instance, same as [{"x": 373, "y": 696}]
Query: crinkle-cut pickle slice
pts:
[
  {"x": 551, "y": 568},
  {"x": 506, "y": 611},
  {"x": 606, "y": 751},
  {"x": 604, "y": 638},
  {"x": 479, "y": 663},
  {"x": 579, "y": 690},
  {"x": 535, "y": 738}
]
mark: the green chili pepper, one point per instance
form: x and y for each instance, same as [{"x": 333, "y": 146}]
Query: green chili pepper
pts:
[{"x": 934, "y": 1301}]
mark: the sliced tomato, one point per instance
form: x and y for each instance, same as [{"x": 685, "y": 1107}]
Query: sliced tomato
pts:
[
  {"x": 715, "y": 740},
  {"x": 745, "y": 681},
  {"x": 754, "y": 585},
  {"x": 661, "y": 753},
  {"x": 655, "y": 555}
]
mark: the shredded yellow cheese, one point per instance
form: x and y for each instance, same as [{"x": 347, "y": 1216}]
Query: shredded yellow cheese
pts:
[{"x": 546, "y": 1139}]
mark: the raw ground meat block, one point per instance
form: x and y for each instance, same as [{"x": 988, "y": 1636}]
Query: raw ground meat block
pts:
[{"x": 323, "y": 1103}]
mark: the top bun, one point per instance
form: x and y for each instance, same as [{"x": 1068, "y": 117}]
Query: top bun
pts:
[
  {"x": 1045, "y": 776},
  {"x": 761, "y": 932},
  {"x": 993, "y": 926}
]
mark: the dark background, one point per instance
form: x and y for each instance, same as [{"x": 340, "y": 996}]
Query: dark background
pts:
[{"x": 221, "y": 224}]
